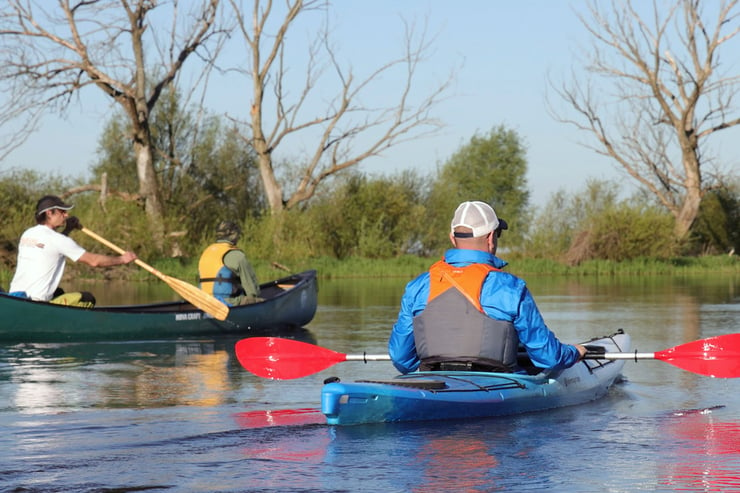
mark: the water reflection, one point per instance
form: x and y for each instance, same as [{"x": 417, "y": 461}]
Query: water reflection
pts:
[
  {"x": 467, "y": 463},
  {"x": 112, "y": 375},
  {"x": 184, "y": 415},
  {"x": 137, "y": 374},
  {"x": 705, "y": 455}
]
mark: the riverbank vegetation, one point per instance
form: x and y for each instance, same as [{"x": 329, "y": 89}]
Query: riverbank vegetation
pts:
[
  {"x": 396, "y": 225},
  {"x": 168, "y": 170},
  {"x": 407, "y": 267},
  {"x": 390, "y": 226}
]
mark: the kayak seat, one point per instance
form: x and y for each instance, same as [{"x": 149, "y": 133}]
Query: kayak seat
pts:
[
  {"x": 442, "y": 363},
  {"x": 525, "y": 364},
  {"x": 410, "y": 382},
  {"x": 465, "y": 366}
]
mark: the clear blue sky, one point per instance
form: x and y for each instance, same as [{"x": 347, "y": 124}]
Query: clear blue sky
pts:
[{"x": 502, "y": 51}]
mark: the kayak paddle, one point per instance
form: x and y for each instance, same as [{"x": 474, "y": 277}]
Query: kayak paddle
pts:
[
  {"x": 717, "y": 356},
  {"x": 192, "y": 294},
  {"x": 285, "y": 359}
]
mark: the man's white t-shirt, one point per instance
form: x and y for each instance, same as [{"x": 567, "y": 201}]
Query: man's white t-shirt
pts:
[{"x": 41, "y": 261}]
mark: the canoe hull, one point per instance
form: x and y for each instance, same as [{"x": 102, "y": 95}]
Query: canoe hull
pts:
[
  {"x": 460, "y": 395},
  {"x": 289, "y": 302}
]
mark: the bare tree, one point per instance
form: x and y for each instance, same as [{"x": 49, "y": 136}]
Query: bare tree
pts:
[
  {"x": 344, "y": 121},
  {"x": 669, "y": 94},
  {"x": 51, "y": 52}
]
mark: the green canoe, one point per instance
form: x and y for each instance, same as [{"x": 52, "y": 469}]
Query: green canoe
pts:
[{"x": 290, "y": 302}]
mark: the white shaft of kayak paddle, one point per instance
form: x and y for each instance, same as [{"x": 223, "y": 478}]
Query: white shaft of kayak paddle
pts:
[
  {"x": 634, "y": 356},
  {"x": 368, "y": 357},
  {"x": 609, "y": 356}
]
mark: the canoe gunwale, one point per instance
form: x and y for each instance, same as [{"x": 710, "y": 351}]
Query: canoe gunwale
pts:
[{"x": 178, "y": 305}]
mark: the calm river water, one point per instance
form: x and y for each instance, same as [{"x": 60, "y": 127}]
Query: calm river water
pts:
[{"x": 182, "y": 416}]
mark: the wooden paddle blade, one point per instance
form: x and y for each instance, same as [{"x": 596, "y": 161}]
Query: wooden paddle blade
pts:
[
  {"x": 284, "y": 359},
  {"x": 198, "y": 297},
  {"x": 714, "y": 357}
]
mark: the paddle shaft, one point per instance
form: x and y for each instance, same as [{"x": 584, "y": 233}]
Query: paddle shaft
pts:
[
  {"x": 611, "y": 356},
  {"x": 368, "y": 357},
  {"x": 121, "y": 251}
]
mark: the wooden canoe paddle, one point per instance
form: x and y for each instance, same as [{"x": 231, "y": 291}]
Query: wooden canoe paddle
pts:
[
  {"x": 190, "y": 293},
  {"x": 283, "y": 359}
]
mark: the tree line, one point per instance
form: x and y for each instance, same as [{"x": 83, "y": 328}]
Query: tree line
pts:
[
  {"x": 369, "y": 216},
  {"x": 655, "y": 95}
]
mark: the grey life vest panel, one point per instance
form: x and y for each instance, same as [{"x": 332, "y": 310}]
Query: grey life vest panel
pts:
[{"x": 451, "y": 329}]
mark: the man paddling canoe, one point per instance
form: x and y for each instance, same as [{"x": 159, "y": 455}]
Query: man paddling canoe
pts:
[
  {"x": 42, "y": 254},
  {"x": 467, "y": 314}
]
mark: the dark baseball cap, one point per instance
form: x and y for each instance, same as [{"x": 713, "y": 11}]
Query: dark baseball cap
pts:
[{"x": 48, "y": 202}]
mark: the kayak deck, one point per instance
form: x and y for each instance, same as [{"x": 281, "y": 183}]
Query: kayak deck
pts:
[{"x": 465, "y": 394}]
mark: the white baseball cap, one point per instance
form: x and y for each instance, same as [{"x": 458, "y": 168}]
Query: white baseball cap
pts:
[{"x": 476, "y": 215}]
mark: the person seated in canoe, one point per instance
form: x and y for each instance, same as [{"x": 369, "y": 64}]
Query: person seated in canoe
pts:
[
  {"x": 42, "y": 254},
  {"x": 225, "y": 272},
  {"x": 467, "y": 314}
]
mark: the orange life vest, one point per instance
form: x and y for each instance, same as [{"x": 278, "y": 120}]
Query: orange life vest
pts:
[{"x": 454, "y": 327}]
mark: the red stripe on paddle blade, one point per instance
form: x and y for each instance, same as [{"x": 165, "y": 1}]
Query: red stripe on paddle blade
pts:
[
  {"x": 284, "y": 359},
  {"x": 714, "y": 357}
]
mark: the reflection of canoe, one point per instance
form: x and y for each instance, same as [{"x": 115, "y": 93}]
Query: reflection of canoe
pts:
[
  {"x": 289, "y": 302},
  {"x": 458, "y": 394}
]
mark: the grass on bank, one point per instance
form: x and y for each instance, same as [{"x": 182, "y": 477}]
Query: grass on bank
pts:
[{"x": 410, "y": 266}]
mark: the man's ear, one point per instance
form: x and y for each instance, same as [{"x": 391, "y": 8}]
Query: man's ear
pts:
[
  {"x": 492, "y": 243},
  {"x": 452, "y": 239}
]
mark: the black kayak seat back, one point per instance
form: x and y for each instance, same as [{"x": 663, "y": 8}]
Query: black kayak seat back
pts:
[{"x": 415, "y": 383}]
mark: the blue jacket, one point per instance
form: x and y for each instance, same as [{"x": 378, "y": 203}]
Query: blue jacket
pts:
[{"x": 503, "y": 297}]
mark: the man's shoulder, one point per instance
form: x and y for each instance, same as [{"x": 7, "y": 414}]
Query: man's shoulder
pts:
[
  {"x": 419, "y": 283},
  {"x": 41, "y": 231},
  {"x": 35, "y": 228},
  {"x": 234, "y": 259},
  {"x": 234, "y": 253},
  {"x": 506, "y": 279}
]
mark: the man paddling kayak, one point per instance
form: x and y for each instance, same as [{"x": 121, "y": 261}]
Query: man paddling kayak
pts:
[{"x": 467, "y": 314}]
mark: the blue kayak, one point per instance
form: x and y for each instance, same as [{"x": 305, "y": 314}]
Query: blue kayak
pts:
[{"x": 435, "y": 395}]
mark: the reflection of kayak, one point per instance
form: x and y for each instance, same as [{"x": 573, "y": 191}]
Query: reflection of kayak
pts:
[
  {"x": 289, "y": 302},
  {"x": 453, "y": 395},
  {"x": 280, "y": 417}
]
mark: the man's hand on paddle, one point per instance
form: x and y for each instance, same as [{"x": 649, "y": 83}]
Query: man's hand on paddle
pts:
[
  {"x": 582, "y": 350},
  {"x": 71, "y": 224}
]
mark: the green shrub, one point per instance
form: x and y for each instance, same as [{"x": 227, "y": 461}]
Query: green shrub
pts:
[{"x": 632, "y": 231}]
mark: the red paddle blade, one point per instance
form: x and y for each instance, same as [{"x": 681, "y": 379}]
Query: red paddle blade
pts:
[
  {"x": 284, "y": 359},
  {"x": 714, "y": 357}
]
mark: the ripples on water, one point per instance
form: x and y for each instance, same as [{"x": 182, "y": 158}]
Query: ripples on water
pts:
[{"x": 183, "y": 416}]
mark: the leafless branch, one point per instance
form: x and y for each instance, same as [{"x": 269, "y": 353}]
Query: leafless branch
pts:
[
  {"x": 661, "y": 94},
  {"x": 346, "y": 120}
]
